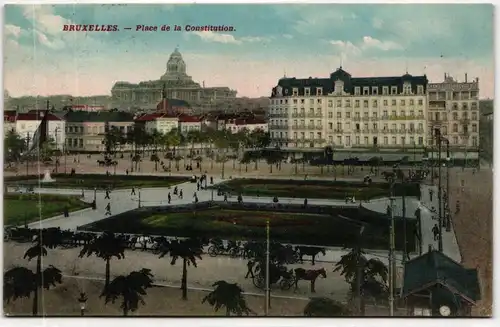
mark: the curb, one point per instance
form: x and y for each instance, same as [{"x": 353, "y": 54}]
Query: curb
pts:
[{"x": 58, "y": 217}]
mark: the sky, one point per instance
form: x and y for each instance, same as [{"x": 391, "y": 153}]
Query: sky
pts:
[{"x": 268, "y": 42}]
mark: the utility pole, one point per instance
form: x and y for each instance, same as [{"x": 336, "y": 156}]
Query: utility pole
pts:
[
  {"x": 440, "y": 198},
  {"x": 392, "y": 261},
  {"x": 27, "y": 152},
  {"x": 448, "y": 161},
  {"x": 56, "y": 162},
  {"x": 268, "y": 295},
  {"x": 405, "y": 252}
]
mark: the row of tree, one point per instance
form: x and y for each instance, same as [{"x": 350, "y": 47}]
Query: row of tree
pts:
[{"x": 365, "y": 277}]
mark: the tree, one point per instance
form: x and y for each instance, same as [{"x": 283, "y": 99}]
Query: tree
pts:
[
  {"x": 193, "y": 137},
  {"x": 14, "y": 147},
  {"x": 189, "y": 250},
  {"x": 106, "y": 246},
  {"x": 222, "y": 142},
  {"x": 325, "y": 307},
  {"x": 21, "y": 282},
  {"x": 365, "y": 277},
  {"x": 130, "y": 288},
  {"x": 229, "y": 296}
]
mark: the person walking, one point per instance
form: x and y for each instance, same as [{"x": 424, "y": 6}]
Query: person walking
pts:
[
  {"x": 435, "y": 231},
  {"x": 250, "y": 266},
  {"x": 180, "y": 194},
  {"x": 108, "y": 209},
  {"x": 107, "y": 195},
  {"x": 133, "y": 191},
  {"x": 169, "y": 198}
]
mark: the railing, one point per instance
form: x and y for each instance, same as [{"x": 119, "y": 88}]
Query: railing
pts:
[
  {"x": 420, "y": 117},
  {"x": 338, "y": 131},
  {"x": 402, "y": 131},
  {"x": 310, "y": 126},
  {"x": 464, "y": 120},
  {"x": 282, "y": 115},
  {"x": 278, "y": 126},
  {"x": 385, "y": 117},
  {"x": 319, "y": 127},
  {"x": 374, "y": 118},
  {"x": 318, "y": 115},
  {"x": 366, "y": 118},
  {"x": 311, "y": 114},
  {"x": 357, "y": 131},
  {"x": 356, "y": 118}
]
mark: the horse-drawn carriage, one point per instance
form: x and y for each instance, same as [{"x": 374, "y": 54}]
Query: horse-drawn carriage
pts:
[
  {"x": 278, "y": 274},
  {"x": 17, "y": 234}
]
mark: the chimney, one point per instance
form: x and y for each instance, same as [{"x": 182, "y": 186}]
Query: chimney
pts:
[{"x": 465, "y": 77}]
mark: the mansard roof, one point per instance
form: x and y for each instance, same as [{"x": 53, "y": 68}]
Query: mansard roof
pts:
[{"x": 328, "y": 84}]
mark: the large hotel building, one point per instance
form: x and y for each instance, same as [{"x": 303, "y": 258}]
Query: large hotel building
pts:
[{"x": 372, "y": 113}]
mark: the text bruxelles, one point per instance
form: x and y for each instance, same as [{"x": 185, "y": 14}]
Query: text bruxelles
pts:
[{"x": 90, "y": 28}]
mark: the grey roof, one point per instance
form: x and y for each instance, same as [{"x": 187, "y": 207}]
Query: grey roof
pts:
[{"x": 99, "y": 116}]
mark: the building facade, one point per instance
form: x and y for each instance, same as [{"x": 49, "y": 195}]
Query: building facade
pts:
[
  {"x": 454, "y": 110},
  {"x": 9, "y": 121},
  {"x": 177, "y": 85},
  {"x": 85, "y": 131},
  {"x": 189, "y": 123},
  {"x": 28, "y": 123},
  {"x": 162, "y": 123},
  {"x": 250, "y": 125},
  {"x": 349, "y": 112}
]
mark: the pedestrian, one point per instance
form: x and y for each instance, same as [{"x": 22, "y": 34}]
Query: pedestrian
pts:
[
  {"x": 195, "y": 199},
  {"x": 240, "y": 198},
  {"x": 180, "y": 194},
  {"x": 108, "y": 209},
  {"x": 169, "y": 198},
  {"x": 250, "y": 265},
  {"x": 66, "y": 211},
  {"x": 225, "y": 197},
  {"x": 211, "y": 180},
  {"x": 198, "y": 186},
  {"x": 175, "y": 190},
  {"x": 133, "y": 191},
  {"x": 126, "y": 171},
  {"x": 83, "y": 193},
  {"x": 107, "y": 195},
  {"x": 435, "y": 231},
  {"x": 93, "y": 205},
  {"x": 305, "y": 202}
]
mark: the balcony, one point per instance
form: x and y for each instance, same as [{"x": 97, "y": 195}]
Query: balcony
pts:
[
  {"x": 366, "y": 118},
  {"x": 310, "y": 126},
  {"x": 318, "y": 127},
  {"x": 385, "y": 131},
  {"x": 420, "y": 130},
  {"x": 281, "y": 115},
  {"x": 374, "y": 118},
  {"x": 464, "y": 121},
  {"x": 357, "y": 131},
  {"x": 338, "y": 131},
  {"x": 374, "y": 130},
  {"x": 356, "y": 118},
  {"x": 311, "y": 114},
  {"x": 365, "y": 130},
  {"x": 296, "y": 127},
  {"x": 318, "y": 115},
  {"x": 402, "y": 131},
  {"x": 384, "y": 117},
  {"x": 420, "y": 117},
  {"x": 393, "y": 130}
]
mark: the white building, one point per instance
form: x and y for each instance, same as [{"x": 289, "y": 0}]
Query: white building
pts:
[
  {"x": 348, "y": 112},
  {"x": 27, "y": 124},
  {"x": 454, "y": 110},
  {"x": 237, "y": 125},
  {"x": 189, "y": 123},
  {"x": 160, "y": 122}
]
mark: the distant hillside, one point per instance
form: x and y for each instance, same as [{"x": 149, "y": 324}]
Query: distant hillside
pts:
[{"x": 27, "y": 103}]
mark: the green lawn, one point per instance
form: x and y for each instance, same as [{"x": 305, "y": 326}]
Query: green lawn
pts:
[
  {"x": 21, "y": 208},
  {"x": 314, "y": 189},
  {"x": 89, "y": 181},
  {"x": 288, "y": 227}
]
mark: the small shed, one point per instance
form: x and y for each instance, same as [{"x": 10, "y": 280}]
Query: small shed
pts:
[{"x": 436, "y": 285}]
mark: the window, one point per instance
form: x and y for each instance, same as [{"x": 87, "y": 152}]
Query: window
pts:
[
  {"x": 393, "y": 102},
  {"x": 339, "y": 126},
  {"x": 420, "y": 140},
  {"x": 394, "y": 90},
  {"x": 411, "y": 102},
  {"x": 420, "y": 89},
  {"x": 474, "y": 116},
  {"x": 420, "y": 126},
  {"x": 339, "y": 115},
  {"x": 393, "y": 113},
  {"x": 295, "y": 135},
  {"x": 420, "y": 102},
  {"x": 356, "y": 104},
  {"x": 339, "y": 139},
  {"x": 357, "y": 139},
  {"x": 384, "y": 113},
  {"x": 365, "y": 114},
  {"x": 402, "y": 102},
  {"x": 295, "y": 123},
  {"x": 365, "y": 104},
  {"x": 295, "y": 92},
  {"x": 374, "y": 90},
  {"x": 330, "y": 139},
  {"x": 412, "y": 113},
  {"x": 365, "y": 140},
  {"x": 403, "y": 140},
  {"x": 319, "y": 101},
  {"x": 464, "y": 106},
  {"x": 474, "y": 128},
  {"x": 348, "y": 103},
  {"x": 366, "y": 90},
  {"x": 455, "y": 128},
  {"x": 294, "y": 101},
  {"x": 474, "y": 141},
  {"x": 374, "y": 114},
  {"x": 385, "y": 102},
  {"x": 319, "y": 91},
  {"x": 394, "y": 140},
  {"x": 311, "y": 135},
  {"x": 330, "y": 104},
  {"x": 357, "y": 90},
  {"x": 347, "y": 115},
  {"x": 386, "y": 140},
  {"x": 307, "y": 91},
  {"x": 348, "y": 140},
  {"x": 455, "y": 116},
  {"x": 311, "y": 102},
  {"x": 403, "y": 113},
  {"x": 375, "y": 103},
  {"x": 455, "y": 140},
  {"x": 330, "y": 125},
  {"x": 330, "y": 114},
  {"x": 385, "y": 90}
]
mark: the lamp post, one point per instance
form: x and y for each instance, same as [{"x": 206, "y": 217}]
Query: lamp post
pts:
[
  {"x": 139, "y": 189},
  {"x": 95, "y": 198},
  {"x": 440, "y": 198},
  {"x": 392, "y": 252},
  {"x": 212, "y": 194},
  {"x": 268, "y": 290},
  {"x": 65, "y": 158},
  {"x": 56, "y": 162},
  {"x": 27, "y": 152},
  {"x": 83, "y": 302}
]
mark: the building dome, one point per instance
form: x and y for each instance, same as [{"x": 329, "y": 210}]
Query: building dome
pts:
[{"x": 175, "y": 63}]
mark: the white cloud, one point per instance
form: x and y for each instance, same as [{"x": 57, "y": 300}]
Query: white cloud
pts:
[
  {"x": 50, "y": 43},
  {"x": 348, "y": 48},
  {"x": 210, "y": 36},
  {"x": 369, "y": 42},
  {"x": 13, "y": 30},
  {"x": 43, "y": 19},
  {"x": 288, "y": 36}
]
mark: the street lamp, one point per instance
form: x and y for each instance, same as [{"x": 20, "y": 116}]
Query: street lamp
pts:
[
  {"x": 83, "y": 302},
  {"x": 268, "y": 289},
  {"x": 56, "y": 162},
  {"x": 95, "y": 198},
  {"x": 139, "y": 189}
]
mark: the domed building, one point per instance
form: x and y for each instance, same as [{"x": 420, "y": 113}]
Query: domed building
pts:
[{"x": 175, "y": 83}]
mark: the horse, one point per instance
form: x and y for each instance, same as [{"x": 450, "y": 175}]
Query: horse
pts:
[
  {"x": 311, "y": 275},
  {"x": 309, "y": 250},
  {"x": 101, "y": 163}
]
